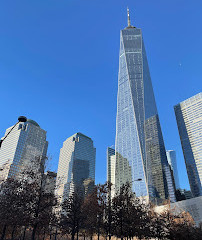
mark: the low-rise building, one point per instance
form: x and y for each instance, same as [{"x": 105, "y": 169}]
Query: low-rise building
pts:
[{"x": 193, "y": 206}]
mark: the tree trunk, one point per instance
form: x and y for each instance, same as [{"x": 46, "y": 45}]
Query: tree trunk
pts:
[
  {"x": 13, "y": 232},
  {"x": 56, "y": 233},
  {"x": 50, "y": 233},
  {"x": 98, "y": 234},
  {"x": 34, "y": 231},
  {"x": 109, "y": 236},
  {"x": 44, "y": 234},
  {"x": 3, "y": 232},
  {"x": 77, "y": 235},
  {"x": 24, "y": 232},
  {"x": 73, "y": 234},
  {"x": 121, "y": 230}
]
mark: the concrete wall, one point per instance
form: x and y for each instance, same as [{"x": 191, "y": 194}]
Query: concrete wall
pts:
[{"x": 193, "y": 206}]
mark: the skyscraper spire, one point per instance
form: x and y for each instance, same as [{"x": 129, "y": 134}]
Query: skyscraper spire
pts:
[{"x": 129, "y": 25}]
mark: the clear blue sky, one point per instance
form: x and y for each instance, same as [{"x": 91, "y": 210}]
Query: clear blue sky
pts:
[{"x": 59, "y": 66}]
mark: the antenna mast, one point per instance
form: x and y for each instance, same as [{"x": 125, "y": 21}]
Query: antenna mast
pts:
[{"x": 129, "y": 25}]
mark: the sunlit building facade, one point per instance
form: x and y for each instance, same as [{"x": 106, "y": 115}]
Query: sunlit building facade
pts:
[
  {"x": 111, "y": 165},
  {"x": 49, "y": 182},
  {"x": 26, "y": 142},
  {"x": 76, "y": 168},
  {"x": 139, "y": 145},
  {"x": 189, "y": 121}
]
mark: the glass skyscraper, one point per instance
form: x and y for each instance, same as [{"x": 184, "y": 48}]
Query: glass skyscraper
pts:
[
  {"x": 76, "y": 168},
  {"x": 25, "y": 142},
  {"x": 111, "y": 166},
  {"x": 139, "y": 146},
  {"x": 171, "y": 156},
  {"x": 189, "y": 121}
]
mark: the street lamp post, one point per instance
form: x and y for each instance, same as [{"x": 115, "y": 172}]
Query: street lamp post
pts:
[
  {"x": 137, "y": 180},
  {"x": 20, "y": 119}
]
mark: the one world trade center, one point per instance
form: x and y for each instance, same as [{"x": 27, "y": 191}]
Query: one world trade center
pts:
[{"x": 140, "y": 151}]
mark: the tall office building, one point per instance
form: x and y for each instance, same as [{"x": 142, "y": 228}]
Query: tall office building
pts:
[
  {"x": 139, "y": 146},
  {"x": 171, "y": 156},
  {"x": 76, "y": 168},
  {"x": 189, "y": 121},
  {"x": 185, "y": 193},
  {"x": 25, "y": 142},
  {"x": 111, "y": 164},
  {"x": 49, "y": 182}
]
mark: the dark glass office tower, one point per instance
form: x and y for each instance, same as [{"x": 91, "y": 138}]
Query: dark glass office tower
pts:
[{"x": 140, "y": 150}]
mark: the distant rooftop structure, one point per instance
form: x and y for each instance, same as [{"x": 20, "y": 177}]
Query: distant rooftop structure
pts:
[
  {"x": 33, "y": 122},
  {"x": 51, "y": 174},
  {"x": 79, "y": 133}
]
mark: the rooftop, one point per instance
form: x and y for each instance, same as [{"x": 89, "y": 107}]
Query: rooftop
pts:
[{"x": 33, "y": 122}]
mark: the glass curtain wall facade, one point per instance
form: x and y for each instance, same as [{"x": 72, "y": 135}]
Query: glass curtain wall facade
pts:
[
  {"x": 76, "y": 168},
  {"x": 139, "y": 146},
  {"x": 189, "y": 121},
  {"x": 110, "y": 165},
  {"x": 25, "y": 142},
  {"x": 171, "y": 156}
]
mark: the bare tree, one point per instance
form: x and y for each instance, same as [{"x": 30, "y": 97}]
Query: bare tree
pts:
[
  {"x": 42, "y": 200},
  {"x": 168, "y": 225},
  {"x": 89, "y": 210},
  {"x": 25, "y": 199},
  {"x": 108, "y": 224},
  {"x": 71, "y": 214},
  {"x": 122, "y": 203}
]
